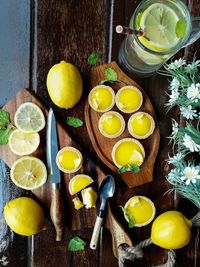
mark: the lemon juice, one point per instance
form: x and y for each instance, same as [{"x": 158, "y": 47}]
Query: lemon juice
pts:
[{"x": 166, "y": 27}]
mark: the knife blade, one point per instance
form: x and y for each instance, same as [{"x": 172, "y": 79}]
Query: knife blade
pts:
[{"x": 54, "y": 177}]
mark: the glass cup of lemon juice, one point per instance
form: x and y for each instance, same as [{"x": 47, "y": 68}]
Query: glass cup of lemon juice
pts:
[{"x": 165, "y": 26}]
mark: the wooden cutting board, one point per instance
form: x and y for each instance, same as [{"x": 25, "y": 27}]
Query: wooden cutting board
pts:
[
  {"x": 103, "y": 145},
  {"x": 75, "y": 220}
]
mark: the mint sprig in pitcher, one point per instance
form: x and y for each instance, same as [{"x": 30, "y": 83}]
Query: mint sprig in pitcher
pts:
[{"x": 167, "y": 26}]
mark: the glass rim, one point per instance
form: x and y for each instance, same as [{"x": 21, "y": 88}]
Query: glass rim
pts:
[{"x": 175, "y": 48}]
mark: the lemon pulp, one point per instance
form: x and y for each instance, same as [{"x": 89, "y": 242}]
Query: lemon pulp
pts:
[
  {"x": 128, "y": 152},
  {"x": 79, "y": 182},
  {"x": 129, "y": 99},
  {"x": 142, "y": 209},
  {"x": 101, "y": 98}
]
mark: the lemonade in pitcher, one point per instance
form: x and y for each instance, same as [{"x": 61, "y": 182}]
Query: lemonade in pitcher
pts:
[{"x": 165, "y": 27}]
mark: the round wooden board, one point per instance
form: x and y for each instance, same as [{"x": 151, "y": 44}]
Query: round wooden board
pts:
[{"x": 103, "y": 146}]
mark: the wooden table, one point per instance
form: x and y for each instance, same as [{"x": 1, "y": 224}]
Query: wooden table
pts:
[{"x": 34, "y": 36}]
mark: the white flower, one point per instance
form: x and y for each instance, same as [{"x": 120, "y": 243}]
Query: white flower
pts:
[
  {"x": 175, "y": 128},
  {"x": 188, "y": 112},
  {"x": 189, "y": 143},
  {"x": 190, "y": 174},
  {"x": 190, "y": 68},
  {"x": 174, "y": 85},
  {"x": 193, "y": 92},
  {"x": 173, "y": 97},
  {"x": 176, "y": 64},
  {"x": 176, "y": 158}
]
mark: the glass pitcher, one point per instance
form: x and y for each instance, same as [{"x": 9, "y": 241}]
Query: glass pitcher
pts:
[{"x": 167, "y": 26}]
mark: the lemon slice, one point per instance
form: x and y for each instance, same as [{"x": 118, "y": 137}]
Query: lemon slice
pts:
[
  {"x": 111, "y": 124},
  {"x": 141, "y": 125},
  {"x": 101, "y": 98},
  {"x": 79, "y": 182},
  {"x": 142, "y": 209},
  {"x": 21, "y": 143},
  {"x": 29, "y": 118},
  {"x": 128, "y": 151},
  {"x": 69, "y": 159},
  {"x": 28, "y": 172},
  {"x": 129, "y": 99},
  {"x": 159, "y": 22}
]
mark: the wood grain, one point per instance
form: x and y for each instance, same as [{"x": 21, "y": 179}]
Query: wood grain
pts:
[{"x": 103, "y": 146}]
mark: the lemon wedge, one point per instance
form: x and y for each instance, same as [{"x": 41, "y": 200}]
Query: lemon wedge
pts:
[
  {"x": 111, "y": 124},
  {"x": 28, "y": 173},
  {"x": 29, "y": 118},
  {"x": 69, "y": 159},
  {"x": 128, "y": 151},
  {"x": 129, "y": 99},
  {"x": 141, "y": 125},
  {"x": 101, "y": 98},
  {"x": 142, "y": 209},
  {"x": 21, "y": 143},
  {"x": 79, "y": 182}
]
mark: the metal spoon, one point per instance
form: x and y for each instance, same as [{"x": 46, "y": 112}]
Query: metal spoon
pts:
[{"x": 107, "y": 190}]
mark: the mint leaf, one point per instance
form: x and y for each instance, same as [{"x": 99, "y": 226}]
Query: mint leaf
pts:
[
  {"x": 181, "y": 27},
  {"x": 129, "y": 217},
  {"x": 93, "y": 58},
  {"x": 111, "y": 75},
  {"x": 137, "y": 21},
  {"x": 129, "y": 167},
  {"x": 4, "y": 135},
  {"x": 74, "y": 122},
  {"x": 76, "y": 244},
  {"x": 4, "y": 118}
]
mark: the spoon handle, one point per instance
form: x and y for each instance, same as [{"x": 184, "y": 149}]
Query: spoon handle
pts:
[{"x": 96, "y": 233}]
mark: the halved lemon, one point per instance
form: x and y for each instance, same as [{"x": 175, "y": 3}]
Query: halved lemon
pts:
[
  {"x": 22, "y": 144},
  {"x": 79, "y": 182},
  {"x": 128, "y": 151},
  {"x": 69, "y": 159},
  {"x": 129, "y": 99},
  {"x": 111, "y": 124},
  {"x": 28, "y": 172},
  {"x": 141, "y": 125},
  {"x": 101, "y": 98},
  {"x": 29, "y": 118},
  {"x": 142, "y": 209}
]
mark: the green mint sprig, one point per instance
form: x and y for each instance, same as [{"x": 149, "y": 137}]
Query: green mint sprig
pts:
[
  {"x": 129, "y": 167},
  {"x": 76, "y": 244},
  {"x": 93, "y": 58},
  {"x": 74, "y": 122},
  {"x": 5, "y": 127},
  {"x": 129, "y": 217},
  {"x": 111, "y": 76}
]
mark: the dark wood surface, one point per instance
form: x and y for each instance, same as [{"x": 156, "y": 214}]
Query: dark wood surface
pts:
[{"x": 71, "y": 30}]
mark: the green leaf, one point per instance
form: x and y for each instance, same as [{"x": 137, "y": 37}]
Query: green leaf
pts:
[
  {"x": 76, "y": 244},
  {"x": 129, "y": 167},
  {"x": 4, "y": 135},
  {"x": 4, "y": 118},
  {"x": 74, "y": 122},
  {"x": 181, "y": 27},
  {"x": 137, "y": 21},
  {"x": 93, "y": 58},
  {"x": 129, "y": 217},
  {"x": 111, "y": 75}
]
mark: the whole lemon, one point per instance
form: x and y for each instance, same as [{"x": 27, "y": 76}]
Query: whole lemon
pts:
[
  {"x": 64, "y": 84},
  {"x": 171, "y": 230},
  {"x": 24, "y": 216}
]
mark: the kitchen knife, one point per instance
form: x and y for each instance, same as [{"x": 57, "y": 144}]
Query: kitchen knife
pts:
[{"x": 56, "y": 209}]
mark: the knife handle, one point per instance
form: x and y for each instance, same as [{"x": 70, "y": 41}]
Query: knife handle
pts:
[
  {"x": 96, "y": 233},
  {"x": 56, "y": 211}
]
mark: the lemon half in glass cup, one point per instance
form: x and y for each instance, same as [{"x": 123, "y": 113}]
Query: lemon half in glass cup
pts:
[
  {"x": 69, "y": 159},
  {"x": 101, "y": 98},
  {"x": 128, "y": 151},
  {"x": 141, "y": 125},
  {"x": 129, "y": 99},
  {"x": 111, "y": 124}
]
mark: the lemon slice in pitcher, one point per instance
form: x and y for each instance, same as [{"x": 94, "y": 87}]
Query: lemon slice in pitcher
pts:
[
  {"x": 128, "y": 151},
  {"x": 69, "y": 159},
  {"x": 79, "y": 182},
  {"x": 101, "y": 98},
  {"x": 111, "y": 124},
  {"x": 141, "y": 125},
  {"x": 141, "y": 209},
  {"x": 129, "y": 99}
]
